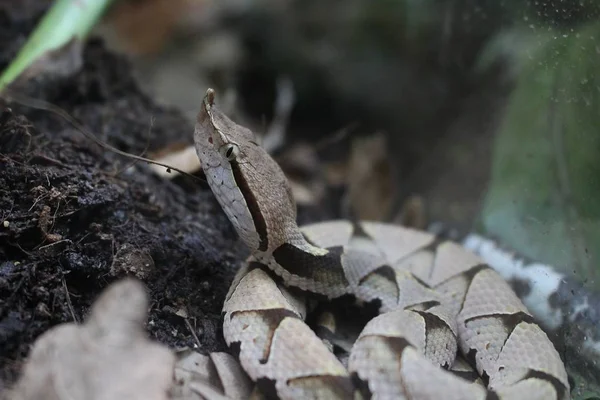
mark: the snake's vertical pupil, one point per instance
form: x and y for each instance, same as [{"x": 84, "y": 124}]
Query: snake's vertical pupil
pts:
[{"x": 229, "y": 151}]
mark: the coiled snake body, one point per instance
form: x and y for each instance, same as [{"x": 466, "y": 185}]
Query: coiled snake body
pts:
[{"x": 435, "y": 298}]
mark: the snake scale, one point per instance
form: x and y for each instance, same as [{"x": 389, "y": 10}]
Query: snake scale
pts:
[{"x": 447, "y": 325}]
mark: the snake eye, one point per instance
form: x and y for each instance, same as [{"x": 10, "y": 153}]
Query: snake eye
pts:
[{"x": 230, "y": 151}]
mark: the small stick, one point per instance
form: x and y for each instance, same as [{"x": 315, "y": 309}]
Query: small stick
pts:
[
  {"x": 187, "y": 322},
  {"x": 10, "y": 95},
  {"x": 284, "y": 103},
  {"x": 69, "y": 304}
]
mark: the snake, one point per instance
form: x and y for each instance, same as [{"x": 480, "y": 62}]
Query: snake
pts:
[{"x": 445, "y": 324}]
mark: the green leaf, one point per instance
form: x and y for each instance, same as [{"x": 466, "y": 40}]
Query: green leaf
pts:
[
  {"x": 65, "y": 21},
  {"x": 543, "y": 200},
  {"x": 544, "y": 194}
]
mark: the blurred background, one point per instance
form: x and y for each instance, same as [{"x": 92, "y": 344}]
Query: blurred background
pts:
[{"x": 473, "y": 113}]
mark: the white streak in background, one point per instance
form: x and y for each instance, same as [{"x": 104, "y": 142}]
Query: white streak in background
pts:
[
  {"x": 591, "y": 346},
  {"x": 542, "y": 279},
  {"x": 579, "y": 308},
  {"x": 284, "y": 104}
]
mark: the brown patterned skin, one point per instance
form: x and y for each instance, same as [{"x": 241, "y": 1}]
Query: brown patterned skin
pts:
[{"x": 435, "y": 297}]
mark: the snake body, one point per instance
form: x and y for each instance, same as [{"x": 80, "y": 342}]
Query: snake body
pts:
[{"x": 434, "y": 298}]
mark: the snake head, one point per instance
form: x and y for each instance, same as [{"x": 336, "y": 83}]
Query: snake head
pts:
[
  {"x": 248, "y": 184},
  {"x": 216, "y": 132}
]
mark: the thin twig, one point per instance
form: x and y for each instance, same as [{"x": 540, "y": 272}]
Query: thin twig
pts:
[
  {"x": 335, "y": 137},
  {"x": 187, "y": 322},
  {"x": 284, "y": 104},
  {"x": 36, "y": 158},
  {"x": 10, "y": 95},
  {"x": 133, "y": 162},
  {"x": 22, "y": 249},
  {"x": 69, "y": 304}
]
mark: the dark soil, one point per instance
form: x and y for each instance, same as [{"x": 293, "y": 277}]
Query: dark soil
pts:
[{"x": 74, "y": 219}]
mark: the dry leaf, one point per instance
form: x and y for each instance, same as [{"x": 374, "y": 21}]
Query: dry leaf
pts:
[
  {"x": 371, "y": 190},
  {"x": 145, "y": 27},
  {"x": 303, "y": 170},
  {"x": 185, "y": 160},
  {"x": 107, "y": 357}
]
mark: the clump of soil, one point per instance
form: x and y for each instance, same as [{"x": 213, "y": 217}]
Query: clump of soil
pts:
[{"x": 74, "y": 217}]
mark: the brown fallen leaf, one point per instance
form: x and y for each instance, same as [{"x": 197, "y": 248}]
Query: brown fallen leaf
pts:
[
  {"x": 107, "y": 357},
  {"x": 146, "y": 27},
  {"x": 412, "y": 213},
  {"x": 303, "y": 169},
  {"x": 371, "y": 189},
  {"x": 184, "y": 159}
]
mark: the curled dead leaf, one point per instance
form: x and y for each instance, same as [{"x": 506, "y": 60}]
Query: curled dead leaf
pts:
[{"x": 107, "y": 357}]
